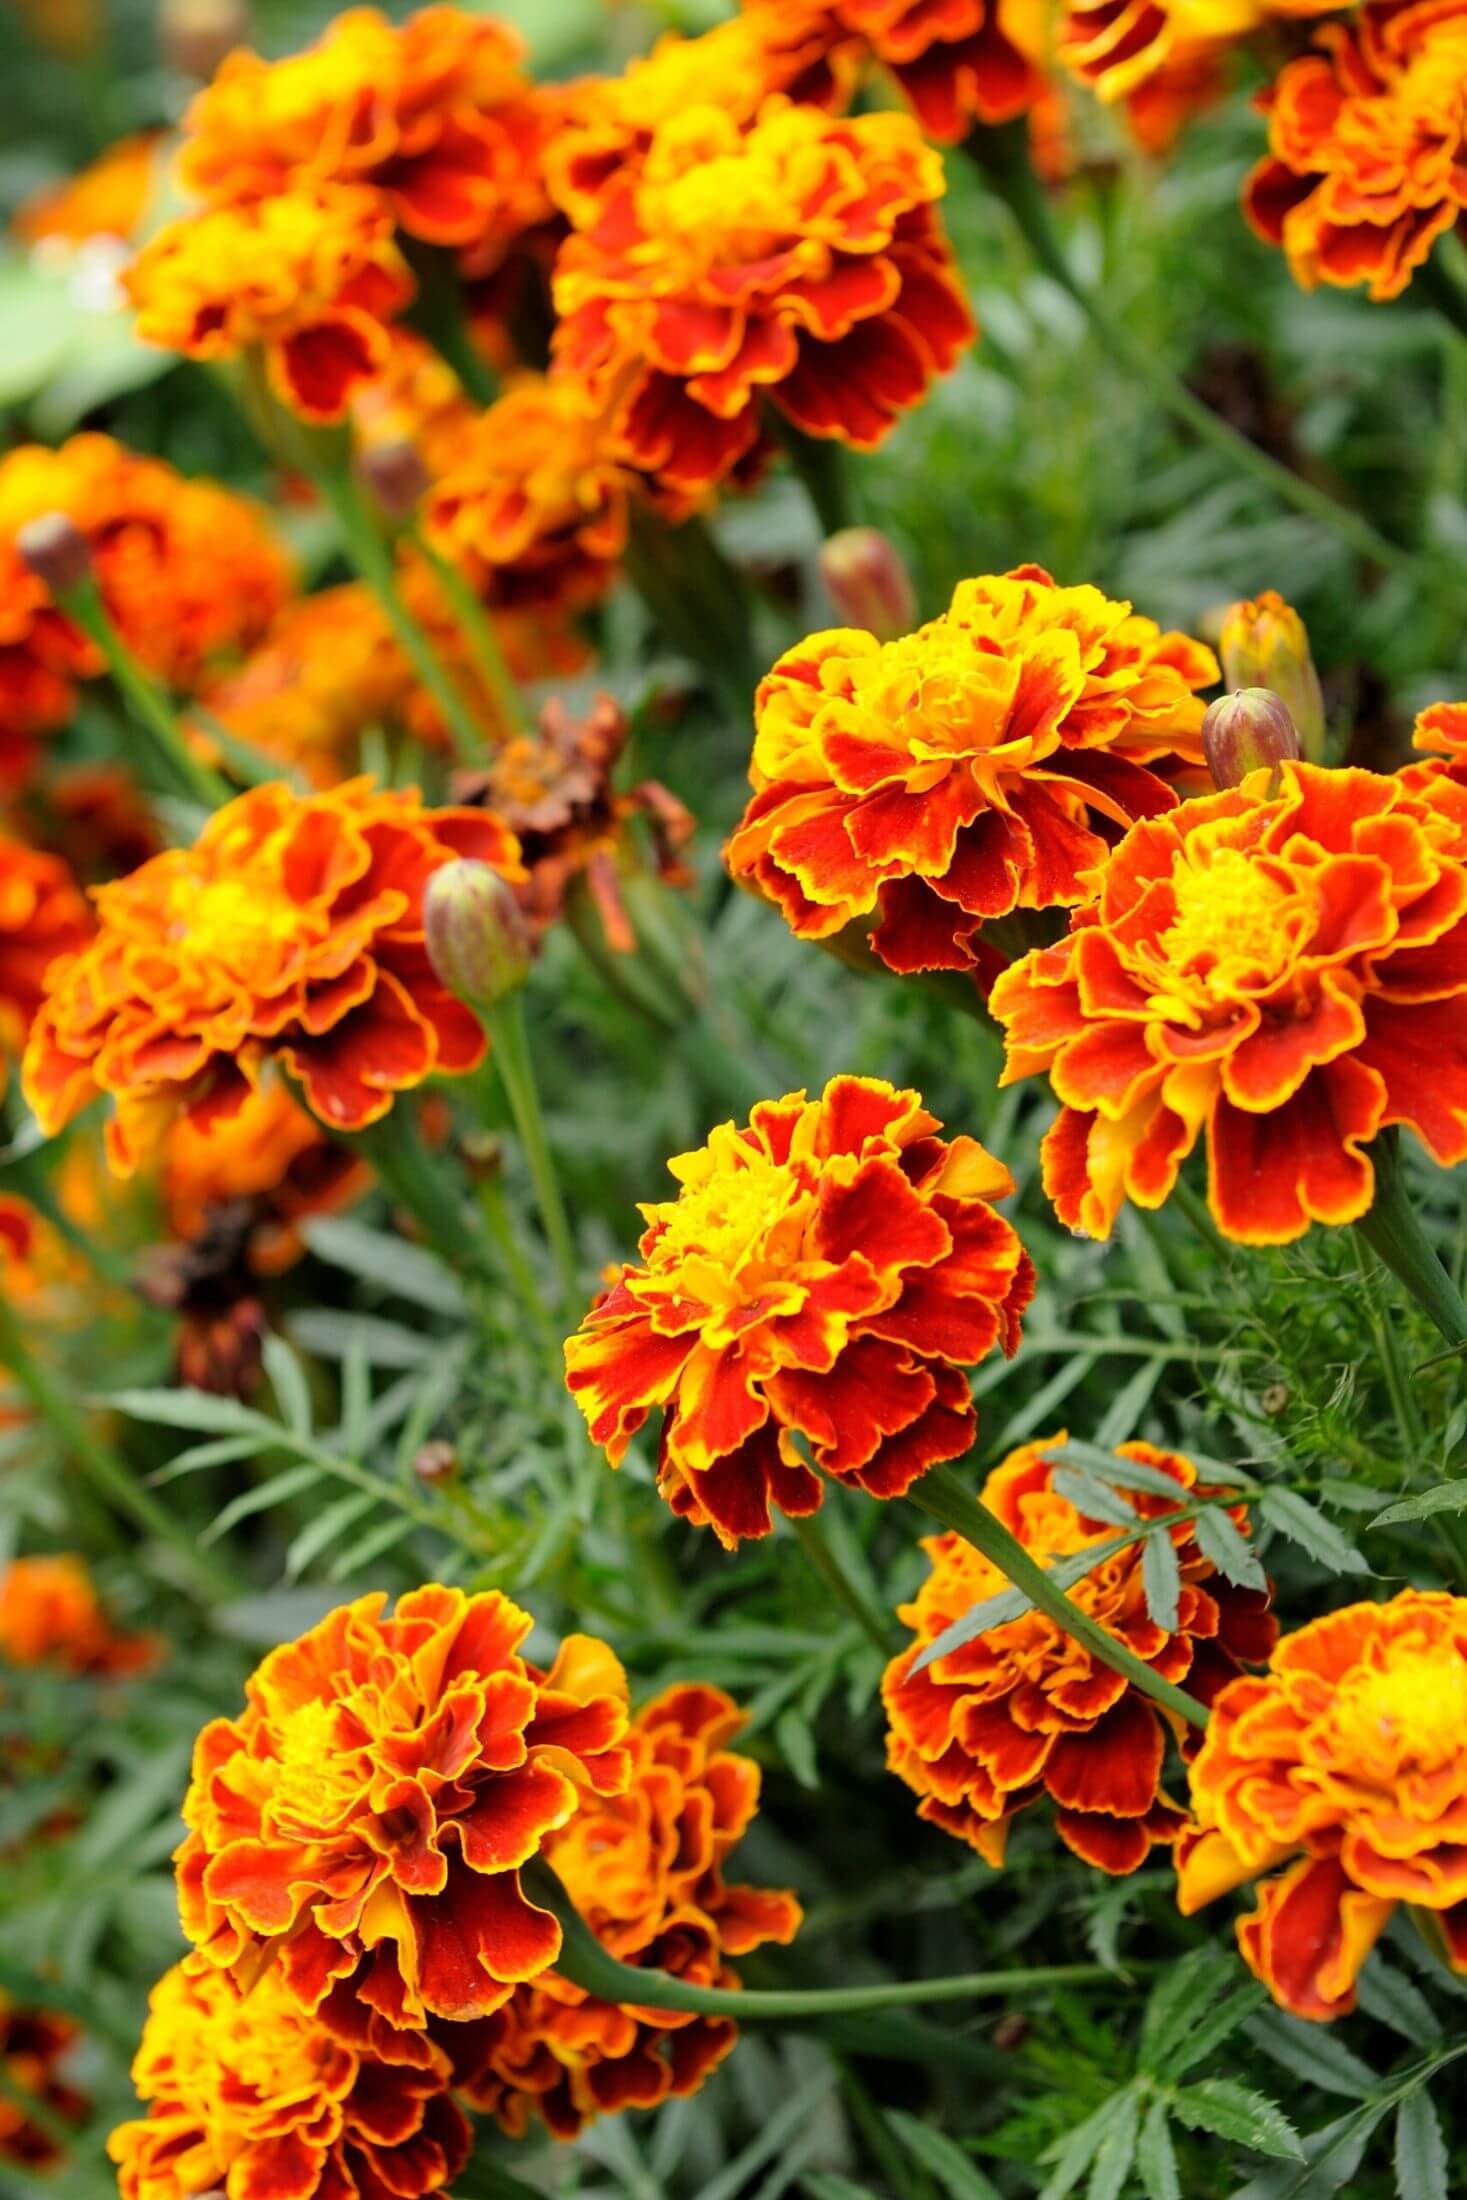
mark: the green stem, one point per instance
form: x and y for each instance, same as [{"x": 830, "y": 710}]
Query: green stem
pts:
[
  {"x": 505, "y": 1024},
  {"x": 144, "y": 698},
  {"x": 437, "y": 314},
  {"x": 1441, "y": 286},
  {"x": 1003, "y": 157},
  {"x": 586, "y": 1963},
  {"x": 820, "y": 462},
  {"x": 1392, "y": 1229},
  {"x": 409, "y": 1176},
  {"x": 477, "y": 628},
  {"x": 941, "y": 1493},
  {"x": 108, "y": 1474},
  {"x": 521, "y": 1275},
  {"x": 1451, "y": 1531},
  {"x": 699, "y": 601},
  {"x": 813, "y": 1541}
]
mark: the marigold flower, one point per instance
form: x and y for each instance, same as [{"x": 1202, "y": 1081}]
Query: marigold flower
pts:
[
  {"x": 972, "y": 768},
  {"x": 109, "y": 198},
  {"x": 291, "y": 931},
  {"x": 797, "y": 261},
  {"x": 1283, "y": 972},
  {"x": 250, "y": 2095},
  {"x": 825, "y": 1273},
  {"x": 1023, "y": 1711},
  {"x": 646, "y": 1872},
  {"x": 271, "y": 1158},
  {"x": 1367, "y": 162},
  {"x": 43, "y": 914},
  {"x": 1264, "y": 643},
  {"x": 34, "y": 2044},
  {"x": 415, "y": 397},
  {"x": 968, "y": 61},
  {"x": 1346, "y": 1756},
  {"x": 50, "y": 1615},
  {"x": 369, "y": 1811},
  {"x": 1124, "y": 47}
]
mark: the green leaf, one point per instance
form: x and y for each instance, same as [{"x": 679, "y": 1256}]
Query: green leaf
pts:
[
  {"x": 1446, "y": 1497},
  {"x": 323, "y": 1528},
  {"x": 192, "y": 1409},
  {"x": 1421, "y": 2154},
  {"x": 797, "y": 1746},
  {"x": 218, "y": 1452},
  {"x": 1235, "y": 2112},
  {"x": 1180, "y": 2002},
  {"x": 1108, "y": 1466},
  {"x": 288, "y": 1483},
  {"x": 1073, "y": 2154},
  {"x": 958, "y": 2177},
  {"x": 1161, "y": 1579},
  {"x": 405, "y": 1271},
  {"x": 1391, "y": 1998},
  {"x": 1156, "y": 2157},
  {"x": 1089, "y": 1495},
  {"x": 1218, "y": 1538},
  {"x": 1115, "y": 2154},
  {"x": 273, "y": 1617},
  {"x": 1293, "y": 1516},
  {"x": 288, "y": 1381},
  {"x": 828, "y": 2184},
  {"x": 370, "y": 1546},
  {"x": 1308, "y": 2052},
  {"x": 356, "y": 1395}
]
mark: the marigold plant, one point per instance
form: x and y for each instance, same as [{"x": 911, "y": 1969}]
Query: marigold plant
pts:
[
  {"x": 43, "y": 914},
  {"x": 1124, "y": 48},
  {"x": 1022, "y": 1711},
  {"x": 825, "y": 1275},
  {"x": 51, "y": 1615},
  {"x": 969, "y": 61}
]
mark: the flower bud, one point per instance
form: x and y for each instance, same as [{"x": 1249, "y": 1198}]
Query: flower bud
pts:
[
  {"x": 1264, "y": 644},
  {"x": 478, "y": 939},
  {"x": 56, "y": 551},
  {"x": 396, "y": 477},
  {"x": 435, "y": 1462},
  {"x": 868, "y": 582},
  {"x": 1243, "y": 731},
  {"x": 196, "y": 35}
]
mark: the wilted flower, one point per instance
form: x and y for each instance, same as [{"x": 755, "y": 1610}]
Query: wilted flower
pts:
[
  {"x": 292, "y": 931},
  {"x": 975, "y": 767},
  {"x": 825, "y": 1274},
  {"x": 1346, "y": 1763},
  {"x": 43, "y": 914},
  {"x": 34, "y": 2044},
  {"x": 965, "y": 62},
  {"x": 645, "y": 1869},
  {"x": 1024, "y": 1711},
  {"x": 363, "y": 1822},
  {"x": 1264, "y": 644},
  {"x": 50, "y": 1615},
  {"x": 250, "y": 2095},
  {"x": 1282, "y": 972}
]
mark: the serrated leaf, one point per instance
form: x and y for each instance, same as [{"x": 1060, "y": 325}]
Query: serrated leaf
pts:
[
  {"x": 1073, "y": 2154},
  {"x": 288, "y": 1483},
  {"x": 1109, "y": 1466},
  {"x": 1218, "y": 1538},
  {"x": 322, "y": 1530},
  {"x": 1096, "y": 1499},
  {"x": 1308, "y": 2052},
  {"x": 334, "y": 1335},
  {"x": 405, "y": 1271},
  {"x": 190, "y": 1409},
  {"x": 1161, "y": 1579},
  {"x": 1446, "y": 1497},
  {"x": 958, "y": 2176},
  {"x": 1293, "y": 1516},
  {"x": 1180, "y": 2001},
  {"x": 1156, "y": 2157},
  {"x": 1421, "y": 2154},
  {"x": 1237, "y": 2113},
  {"x": 218, "y": 1452},
  {"x": 1115, "y": 2153},
  {"x": 1391, "y": 1998},
  {"x": 1214, "y": 2021},
  {"x": 288, "y": 1381}
]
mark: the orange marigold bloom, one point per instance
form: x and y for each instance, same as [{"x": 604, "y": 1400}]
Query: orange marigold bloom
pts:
[
  {"x": 964, "y": 62},
  {"x": 312, "y": 276},
  {"x": 34, "y": 2044},
  {"x": 1282, "y": 971},
  {"x": 367, "y": 1815},
  {"x": 825, "y": 1273},
  {"x": 43, "y": 914},
  {"x": 1348, "y": 1757},
  {"x": 50, "y": 1615},
  {"x": 646, "y": 1872},
  {"x": 797, "y": 261},
  {"x": 270, "y": 1158},
  {"x": 290, "y": 931},
  {"x": 108, "y": 199},
  {"x": 1121, "y": 47},
  {"x": 1024, "y": 1711},
  {"x": 249, "y": 2095},
  {"x": 969, "y": 769},
  {"x": 1367, "y": 162},
  {"x": 414, "y": 398}
]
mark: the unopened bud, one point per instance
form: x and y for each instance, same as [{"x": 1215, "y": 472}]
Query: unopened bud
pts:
[
  {"x": 482, "y": 1154},
  {"x": 435, "y": 1462},
  {"x": 56, "y": 551},
  {"x": 478, "y": 938},
  {"x": 868, "y": 582},
  {"x": 196, "y": 35},
  {"x": 1264, "y": 645},
  {"x": 1244, "y": 731},
  {"x": 396, "y": 477}
]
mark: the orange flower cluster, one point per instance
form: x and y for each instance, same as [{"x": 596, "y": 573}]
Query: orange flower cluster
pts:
[
  {"x": 1164, "y": 57},
  {"x": 1282, "y": 971},
  {"x": 34, "y": 2044},
  {"x": 1367, "y": 162},
  {"x": 43, "y": 914},
  {"x": 798, "y": 260},
  {"x": 186, "y": 570},
  {"x": 1025, "y": 1711},
  {"x": 826, "y": 1273},
  {"x": 645, "y": 1871},
  {"x": 1348, "y": 1757},
  {"x": 270, "y": 1158},
  {"x": 249, "y": 2094},
  {"x": 966, "y": 62},
  {"x": 969, "y": 769},
  {"x": 364, "y": 1821},
  {"x": 50, "y": 1615},
  {"x": 290, "y": 932},
  {"x": 108, "y": 199}
]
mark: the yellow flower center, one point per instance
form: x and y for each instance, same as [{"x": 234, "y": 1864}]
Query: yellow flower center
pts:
[
  {"x": 234, "y": 924},
  {"x": 1229, "y": 929},
  {"x": 728, "y": 1223},
  {"x": 726, "y": 210},
  {"x": 1412, "y": 1712}
]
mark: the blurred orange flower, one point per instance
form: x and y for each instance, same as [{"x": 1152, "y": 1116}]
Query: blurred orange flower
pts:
[
  {"x": 825, "y": 1274},
  {"x": 1282, "y": 972},
  {"x": 1126, "y": 48},
  {"x": 364, "y": 1820},
  {"x": 33, "y": 2044},
  {"x": 50, "y": 1615},
  {"x": 290, "y": 932},
  {"x": 43, "y": 914},
  {"x": 969, "y": 769},
  {"x": 1023, "y": 1711},
  {"x": 645, "y": 1871},
  {"x": 797, "y": 261},
  {"x": 1367, "y": 162},
  {"x": 414, "y": 397},
  {"x": 251, "y": 2094},
  {"x": 965, "y": 62},
  {"x": 1347, "y": 1757},
  {"x": 272, "y": 1158},
  {"x": 107, "y": 199}
]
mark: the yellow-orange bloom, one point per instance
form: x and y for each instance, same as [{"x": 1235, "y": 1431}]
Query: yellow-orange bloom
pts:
[
  {"x": 645, "y": 1869},
  {"x": 364, "y": 1821},
  {"x": 270, "y": 1160},
  {"x": 1282, "y": 972},
  {"x": 797, "y": 262},
  {"x": 43, "y": 914},
  {"x": 969, "y": 769},
  {"x": 1347, "y": 1763},
  {"x": 1367, "y": 162},
  {"x": 290, "y": 932},
  {"x": 415, "y": 397},
  {"x": 1024, "y": 1711},
  {"x": 108, "y": 199},
  {"x": 824, "y": 1276},
  {"x": 34, "y": 2044},
  {"x": 964, "y": 62},
  {"x": 50, "y": 1615},
  {"x": 1124, "y": 47},
  {"x": 248, "y": 2095}
]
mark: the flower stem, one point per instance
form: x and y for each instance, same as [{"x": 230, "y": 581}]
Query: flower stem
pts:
[
  {"x": 1445, "y": 291},
  {"x": 144, "y": 698},
  {"x": 505, "y": 1024},
  {"x": 521, "y": 1275},
  {"x": 1392, "y": 1229},
  {"x": 1003, "y": 157},
  {"x": 820, "y": 463},
  {"x": 813, "y": 1541},
  {"x": 477, "y": 628},
  {"x": 437, "y": 315},
  {"x": 942, "y": 1494},
  {"x": 699, "y": 600},
  {"x": 409, "y": 1176}
]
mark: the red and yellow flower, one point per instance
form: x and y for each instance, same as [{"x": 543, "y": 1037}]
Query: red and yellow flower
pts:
[
  {"x": 364, "y": 1821},
  {"x": 1346, "y": 1763},
  {"x": 825, "y": 1274},
  {"x": 109, "y": 198},
  {"x": 1025, "y": 1711},
  {"x": 1282, "y": 972},
  {"x": 270, "y": 1158},
  {"x": 1169, "y": 49},
  {"x": 291, "y": 932},
  {"x": 965, "y": 62},
  {"x": 43, "y": 914},
  {"x": 34, "y": 2044},
  {"x": 1367, "y": 161},
  {"x": 51, "y": 1615},
  {"x": 249, "y": 2095},
  {"x": 977, "y": 766},
  {"x": 797, "y": 262},
  {"x": 645, "y": 1869}
]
